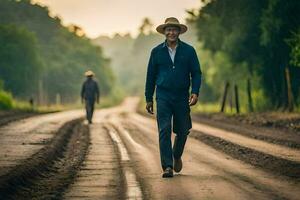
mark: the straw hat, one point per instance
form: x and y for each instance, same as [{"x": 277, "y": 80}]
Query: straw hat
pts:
[
  {"x": 89, "y": 73},
  {"x": 171, "y": 21}
]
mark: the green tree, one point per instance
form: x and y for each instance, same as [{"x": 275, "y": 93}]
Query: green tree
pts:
[
  {"x": 254, "y": 34},
  {"x": 20, "y": 64},
  {"x": 294, "y": 44},
  {"x": 278, "y": 22},
  {"x": 146, "y": 27}
]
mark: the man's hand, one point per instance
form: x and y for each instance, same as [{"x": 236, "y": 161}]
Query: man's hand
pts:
[
  {"x": 149, "y": 107},
  {"x": 193, "y": 99}
]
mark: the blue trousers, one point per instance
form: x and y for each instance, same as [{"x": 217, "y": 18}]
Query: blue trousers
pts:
[
  {"x": 178, "y": 112},
  {"x": 89, "y": 107}
]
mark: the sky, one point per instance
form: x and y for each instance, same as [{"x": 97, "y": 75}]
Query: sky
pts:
[{"x": 107, "y": 17}]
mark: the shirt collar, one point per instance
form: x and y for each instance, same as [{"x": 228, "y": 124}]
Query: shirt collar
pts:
[{"x": 166, "y": 45}]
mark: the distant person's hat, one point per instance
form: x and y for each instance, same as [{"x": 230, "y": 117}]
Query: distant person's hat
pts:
[
  {"x": 171, "y": 21},
  {"x": 89, "y": 73}
]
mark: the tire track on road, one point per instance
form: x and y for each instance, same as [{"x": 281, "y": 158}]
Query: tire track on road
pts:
[
  {"x": 265, "y": 161},
  {"x": 100, "y": 176},
  {"x": 22, "y": 139},
  {"x": 47, "y": 173},
  {"x": 133, "y": 187},
  {"x": 262, "y": 146}
]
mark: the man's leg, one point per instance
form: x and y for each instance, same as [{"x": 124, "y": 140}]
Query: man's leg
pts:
[
  {"x": 88, "y": 110},
  {"x": 179, "y": 144},
  {"x": 182, "y": 124},
  {"x": 164, "y": 117},
  {"x": 92, "y": 110}
]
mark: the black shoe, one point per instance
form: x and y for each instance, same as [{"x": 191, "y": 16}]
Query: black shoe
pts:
[
  {"x": 177, "y": 165},
  {"x": 168, "y": 173}
]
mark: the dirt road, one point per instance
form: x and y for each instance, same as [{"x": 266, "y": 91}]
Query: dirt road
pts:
[{"x": 117, "y": 157}]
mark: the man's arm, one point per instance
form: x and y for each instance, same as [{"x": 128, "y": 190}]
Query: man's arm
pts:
[
  {"x": 82, "y": 91},
  {"x": 97, "y": 92},
  {"x": 195, "y": 73},
  {"x": 196, "y": 78},
  {"x": 150, "y": 79}
]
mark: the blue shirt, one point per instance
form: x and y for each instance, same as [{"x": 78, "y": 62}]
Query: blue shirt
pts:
[
  {"x": 172, "y": 79},
  {"x": 172, "y": 53}
]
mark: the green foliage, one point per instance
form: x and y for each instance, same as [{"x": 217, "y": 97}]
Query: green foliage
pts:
[
  {"x": 1, "y": 85},
  {"x": 115, "y": 98},
  {"x": 6, "y": 100},
  {"x": 294, "y": 44},
  {"x": 254, "y": 39},
  {"x": 206, "y": 108},
  {"x": 45, "y": 58},
  {"x": 20, "y": 64}
]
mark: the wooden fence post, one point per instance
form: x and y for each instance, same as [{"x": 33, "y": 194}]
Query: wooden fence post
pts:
[
  {"x": 250, "y": 103},
  {"x": 224, "y": 96},
  {"x": 237, "y": 105},
  {"x": 289, "y": 90}
]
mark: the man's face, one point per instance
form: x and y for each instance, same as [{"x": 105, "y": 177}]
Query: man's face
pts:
[{"x": 172, "y": 33}]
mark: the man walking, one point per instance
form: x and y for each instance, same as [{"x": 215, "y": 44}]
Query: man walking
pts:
[
  {"x": 90, "y": 93},
  {"x": 172, "y": 66}
]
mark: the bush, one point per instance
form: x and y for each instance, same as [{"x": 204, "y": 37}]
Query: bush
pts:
[{"x": 6, "y": 100}]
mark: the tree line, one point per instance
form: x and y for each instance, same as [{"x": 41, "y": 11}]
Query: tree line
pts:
[
  {"x": 42, "y": 59},
  {"x": 257, "y": 40}
]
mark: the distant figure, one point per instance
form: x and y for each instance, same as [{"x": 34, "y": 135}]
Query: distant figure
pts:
[
  {"x": 90, "y": 93},
  {"x": 173, "y": 65},
  {"x": 31, "y": 103}
]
